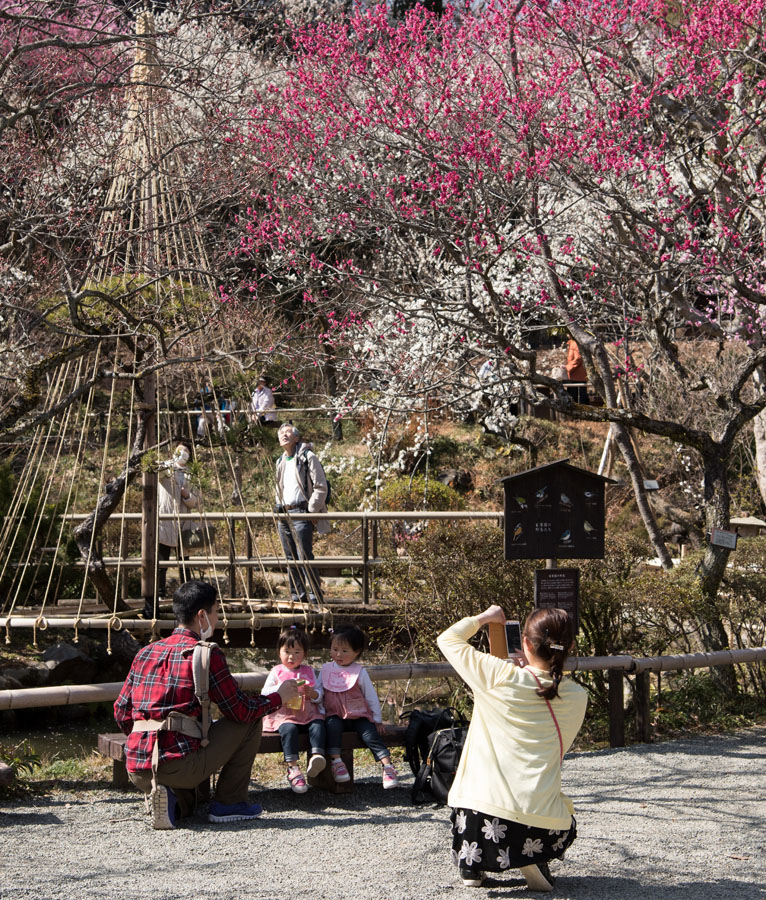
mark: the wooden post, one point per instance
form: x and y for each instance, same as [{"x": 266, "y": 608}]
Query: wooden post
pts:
[
  {"x": 643, "y": 721},
  {"x": 374, "y": 556},
  {"x": 498, "y": 644},
  {"x": 149, "y": 501},
  {"x": 232, "y": 556},
  {"x": 249, "y": 551},
  {"x": 616, "y": 709},
  {"x": 365, "y": 560}
]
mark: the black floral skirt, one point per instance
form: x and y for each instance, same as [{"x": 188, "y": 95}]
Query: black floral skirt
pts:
[{"x": 484, "y": 843}]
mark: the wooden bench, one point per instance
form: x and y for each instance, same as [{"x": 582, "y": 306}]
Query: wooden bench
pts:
[{"x": 113, "y": 747}]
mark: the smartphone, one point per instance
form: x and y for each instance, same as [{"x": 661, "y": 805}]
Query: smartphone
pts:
[{"x": 513, "y": 636}]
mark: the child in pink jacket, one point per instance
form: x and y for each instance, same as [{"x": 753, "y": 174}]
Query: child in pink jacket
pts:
[
  {"x": 293, "y": 646},
  {"x": 351, "y": 704}
]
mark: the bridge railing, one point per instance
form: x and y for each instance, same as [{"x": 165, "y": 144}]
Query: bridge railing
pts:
[{"x": 249, "y": 561}]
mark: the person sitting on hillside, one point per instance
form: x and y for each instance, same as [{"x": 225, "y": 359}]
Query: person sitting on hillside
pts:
[
  {"x": 576, "y": 371},
  {"x": 170, "y": 750},
  {"x": 262, "y": 404}
]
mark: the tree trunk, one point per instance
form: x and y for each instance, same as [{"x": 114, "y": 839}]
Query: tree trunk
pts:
[
  {"x": 759, "y": 430},
  {"x": 712, "y": 631},
  {"x": 331, "y": 381},
  {"x": 86, "y": 534},
  {"x": 623, "y": 440}
]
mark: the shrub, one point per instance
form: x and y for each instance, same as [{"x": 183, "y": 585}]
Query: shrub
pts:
[{"x": 411, "y": 494}]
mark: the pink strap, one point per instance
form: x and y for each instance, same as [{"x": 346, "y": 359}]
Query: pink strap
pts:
[{"x": 553, "y": 715}]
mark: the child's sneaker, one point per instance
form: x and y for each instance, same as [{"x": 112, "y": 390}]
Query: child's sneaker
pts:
[
  {"x": 316, "y": 765},
  {"x": 390, "y": 778},
  {"x": 296, "y": 779},
  {"x": 339, "y": 770}
]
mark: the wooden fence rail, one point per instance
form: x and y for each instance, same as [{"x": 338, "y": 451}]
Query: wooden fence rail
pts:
[
  {"x": 617, "y": 666},
  {"x": 230, "y": 561}
]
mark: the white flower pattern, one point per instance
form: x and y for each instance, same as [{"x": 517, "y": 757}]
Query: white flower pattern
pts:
[
  {"x": 460, "y": 822},
  {"x": 504, "y": 858},
  {"x": 494, "y": 831},
  {"x": 532, "y": 846},
  {"x": 561, "y": 841},
  {"x": 471, "y": 853}
]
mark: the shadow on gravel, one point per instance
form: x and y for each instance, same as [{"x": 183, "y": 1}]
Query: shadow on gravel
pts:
[
  {"x": 14, "y": 819},
  {"x": 601, "y": 888}
]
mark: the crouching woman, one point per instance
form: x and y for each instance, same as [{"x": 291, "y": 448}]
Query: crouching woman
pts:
[{"x": 508, "y": 810}]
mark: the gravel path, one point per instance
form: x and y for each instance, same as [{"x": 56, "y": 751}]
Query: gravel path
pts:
[{"x": 683, "y": 820}]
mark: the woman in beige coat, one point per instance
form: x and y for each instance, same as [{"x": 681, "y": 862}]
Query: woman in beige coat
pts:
[{"x": 175, "y": 496}]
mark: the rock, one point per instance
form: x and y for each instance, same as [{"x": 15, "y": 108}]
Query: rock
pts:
[
  {"x": 8, "y": 683},
  {"x": 68, "y": 664},
  {"x": 7, "y": 775},
  {"x": 30, "y": 675},
  {"x": 459, "y": 479},
  {"x": 124, "y": 649}
]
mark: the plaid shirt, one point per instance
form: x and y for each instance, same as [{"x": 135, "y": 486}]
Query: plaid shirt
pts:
[{"x": 160, "y": 681}]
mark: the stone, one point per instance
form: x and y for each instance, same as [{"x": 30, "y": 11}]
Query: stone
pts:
[
  {"x": 68, "y": 664},
  {"x": 29, "y": 675}
]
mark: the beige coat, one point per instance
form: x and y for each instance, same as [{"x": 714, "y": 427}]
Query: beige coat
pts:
[
  {"x": 315, "y": 487},
  {"x": 170, "y": 502}
]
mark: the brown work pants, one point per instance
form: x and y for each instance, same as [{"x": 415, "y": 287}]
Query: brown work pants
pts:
[{"x": 232, "y": 749}]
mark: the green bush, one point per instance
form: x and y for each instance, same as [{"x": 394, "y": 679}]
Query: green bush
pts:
[
  {"x": 454, "y": 571},
  {"x": 410, "y": 494}
]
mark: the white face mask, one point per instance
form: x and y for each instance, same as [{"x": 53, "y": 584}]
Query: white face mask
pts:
[
  {"x": 207, "y": 631},
  {"x": 181, "y": 456}
]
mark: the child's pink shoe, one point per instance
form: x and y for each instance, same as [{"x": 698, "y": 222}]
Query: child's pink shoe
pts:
[
  {"x": 296, "y": 779},
  {"x": 339, "y": 770},
  {"x": 390, "y": 778}
]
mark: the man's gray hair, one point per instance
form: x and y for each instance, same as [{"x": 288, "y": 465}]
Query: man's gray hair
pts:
[{"x": 296, "y": 433}]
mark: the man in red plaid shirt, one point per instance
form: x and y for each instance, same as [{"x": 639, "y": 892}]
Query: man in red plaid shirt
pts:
[{"x": 157, "y": 703}]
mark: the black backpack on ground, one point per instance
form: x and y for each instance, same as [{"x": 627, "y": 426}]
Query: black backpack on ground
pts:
[{"x": 434, "y": 742}]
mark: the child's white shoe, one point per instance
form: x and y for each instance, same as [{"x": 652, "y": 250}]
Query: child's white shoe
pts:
[
  {"x": 339, "y": 771},
  {"x": 316, "y": 765}
]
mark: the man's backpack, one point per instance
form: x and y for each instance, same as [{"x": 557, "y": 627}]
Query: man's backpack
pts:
[
  {"x": 303, "y": 462},
  {"x": 433, "y": 744}
]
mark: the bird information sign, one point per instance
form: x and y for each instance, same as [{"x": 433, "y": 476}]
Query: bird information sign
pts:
[{"x": 554, "y": 511}]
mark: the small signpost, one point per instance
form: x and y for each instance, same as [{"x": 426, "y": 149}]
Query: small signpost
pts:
[
  {"x": 721, "y": 538},
  {"x": 560, "y": 589},
  {"x": 552, "y": 512}
]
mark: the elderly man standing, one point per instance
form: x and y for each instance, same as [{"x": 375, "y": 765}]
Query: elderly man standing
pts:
[{"x": 301, "y": 488}]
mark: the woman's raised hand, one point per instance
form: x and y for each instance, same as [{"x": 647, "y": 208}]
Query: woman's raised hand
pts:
[{"x": 492, "y": 613}]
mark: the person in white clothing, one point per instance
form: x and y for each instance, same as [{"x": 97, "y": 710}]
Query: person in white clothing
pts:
[
  {"x": 508, "y": 810},
  {"x": 174, "y": 496},
  {"x": 262, "y": 404}
]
